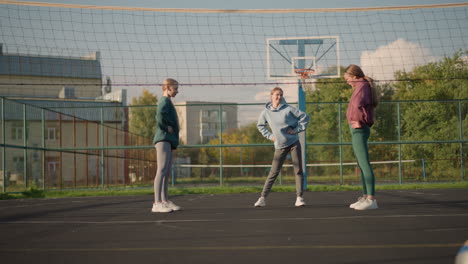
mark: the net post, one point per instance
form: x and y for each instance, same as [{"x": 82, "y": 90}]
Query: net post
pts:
[
  {"x": 302, "y": 107},
  {"x": 302, "y": 135}
]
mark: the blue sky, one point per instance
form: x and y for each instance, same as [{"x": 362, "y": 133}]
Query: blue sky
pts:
[
  {"x": 222, "y": 56},
  {"x": 254, "y": 4}
]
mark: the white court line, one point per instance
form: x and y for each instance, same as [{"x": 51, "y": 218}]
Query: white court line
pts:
[
  {"x": 39, "y": 204},
  {"x": 234, "y": 248},
  {"x": 231, "y": 219},
  {"x": 286, "y": 165}
]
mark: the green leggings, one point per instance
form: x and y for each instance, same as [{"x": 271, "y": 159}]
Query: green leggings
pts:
[{"x": 361, "y": 151}]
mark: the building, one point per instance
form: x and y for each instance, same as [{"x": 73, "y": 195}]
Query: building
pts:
[
  {"x": 54, "y": 123},
  {"x": 44, "y": 76},
  {"x": 201, "y": 122},
  {"x": 58, "y": 102}
]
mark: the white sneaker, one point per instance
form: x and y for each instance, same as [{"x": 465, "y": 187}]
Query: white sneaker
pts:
[
  {"x": 173, "y": 206},
  {"x": 160, "y": 208},
  {"x": 367, "y": 205},
  {"x": 360, "y": 200},
  {"x": 300, "y": 201},
  {"x": 261, "y": 202}
]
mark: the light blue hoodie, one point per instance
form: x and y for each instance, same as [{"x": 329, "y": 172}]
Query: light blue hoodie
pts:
[{"x": 280, "y": 120}]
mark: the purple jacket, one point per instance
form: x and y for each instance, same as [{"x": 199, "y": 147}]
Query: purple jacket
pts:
[{"x": 360, "y": 107}]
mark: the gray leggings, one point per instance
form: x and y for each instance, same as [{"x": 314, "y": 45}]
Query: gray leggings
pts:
[
  {"x": 164, "y": 159},
  {"x": 278, "y": 160}
]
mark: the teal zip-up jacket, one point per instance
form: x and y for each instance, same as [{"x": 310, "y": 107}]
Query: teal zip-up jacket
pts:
[
  {"x": 166, "y": 115},
  {"x": 280, "y": 120}
]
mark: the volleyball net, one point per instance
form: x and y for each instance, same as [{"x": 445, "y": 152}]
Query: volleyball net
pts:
[{"x": 211, "y": 51}]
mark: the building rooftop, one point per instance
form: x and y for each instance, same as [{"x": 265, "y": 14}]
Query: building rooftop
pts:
[
  {"x": 26, "y": 65},
  {"x": 81, "y": 109}
]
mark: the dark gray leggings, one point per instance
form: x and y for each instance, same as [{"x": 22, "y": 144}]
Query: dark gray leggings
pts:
[
  {"x": 278, "y": 160},
  {"x": 163, "y": 172}
]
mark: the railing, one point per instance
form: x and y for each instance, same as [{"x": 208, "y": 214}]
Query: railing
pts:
[{"x": 87, "y": 147}]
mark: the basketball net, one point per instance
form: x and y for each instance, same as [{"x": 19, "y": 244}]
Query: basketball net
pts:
[{"x": 304, "y": 73}]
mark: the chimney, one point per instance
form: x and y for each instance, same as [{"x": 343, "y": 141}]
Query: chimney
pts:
[{"x": 108, "y": 87}]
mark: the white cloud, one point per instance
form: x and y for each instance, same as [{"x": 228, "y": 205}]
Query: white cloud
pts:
[{"x": 401, "y": 54}]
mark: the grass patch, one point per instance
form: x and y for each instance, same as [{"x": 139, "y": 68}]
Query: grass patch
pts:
[
  {"x": 148, "y": 190},
  {"x": 7, "y": 196},
  {"x": 33, "y": 193}
]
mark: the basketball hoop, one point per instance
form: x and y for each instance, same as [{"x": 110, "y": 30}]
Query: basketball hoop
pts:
[{"x": 304, "y": 73}]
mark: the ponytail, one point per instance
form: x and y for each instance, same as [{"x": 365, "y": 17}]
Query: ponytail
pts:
[{"x": 374, "y": 92}]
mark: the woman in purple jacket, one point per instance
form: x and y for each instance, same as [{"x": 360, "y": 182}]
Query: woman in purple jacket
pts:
[{"x": 360, "y": 117}]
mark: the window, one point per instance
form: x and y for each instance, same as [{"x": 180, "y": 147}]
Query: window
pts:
[
  {"x": 51, "y": 133},
  {"x": 53, "y": 172},
  {"x": 52, "y": 167},
  {"x": 204, "y": 114},
  {"x": 18, "y": 163},
  {"x": 17, "y": 133},
  {"x": 213, "y": 115}
]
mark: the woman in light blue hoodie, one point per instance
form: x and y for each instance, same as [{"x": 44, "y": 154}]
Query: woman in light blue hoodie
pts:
[{"x": 285, "y": 123}]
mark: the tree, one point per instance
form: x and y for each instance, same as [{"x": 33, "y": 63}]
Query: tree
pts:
[
  {"x": 248, "y": 155},
  {"x": 253, "y": 135},
  {"x": 440, "y": 80},
  {"x": 446, "y": 79},
  {"x": 143, "y": 115},
  {"x": 142, "y": 125},
  {"x": 324, "y": 109}
]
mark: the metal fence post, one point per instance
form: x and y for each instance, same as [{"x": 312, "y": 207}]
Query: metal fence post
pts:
[
  {"x": 340, "y": 135},
  {"x": 43, "y": 148},
  {"x": 4, "y": 148},
  {"x": 103, "y": 169},
  {"x": 172, "y": 174},
  {"x": 460, "y": 120},
  {"x": 423, "y": 162},
  {"x": 220, "y": 142},
  {"x": 400, "y": 176},
  {"x": 25, "y": 149}
]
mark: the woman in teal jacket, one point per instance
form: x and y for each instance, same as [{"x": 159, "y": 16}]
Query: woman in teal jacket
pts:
[
  {"x": 166, "y": 140},
  {"x": 285, "y": 122}
]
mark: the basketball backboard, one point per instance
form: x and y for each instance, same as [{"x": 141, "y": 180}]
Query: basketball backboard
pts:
[{"x": 286, "y": 55}]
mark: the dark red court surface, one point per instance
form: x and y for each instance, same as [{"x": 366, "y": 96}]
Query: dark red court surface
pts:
[{"x": 411, "y": 226}]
